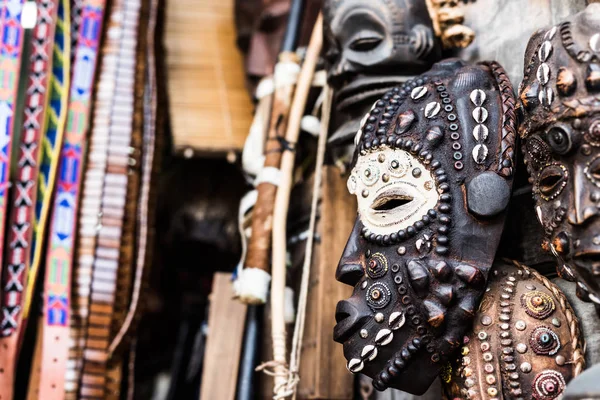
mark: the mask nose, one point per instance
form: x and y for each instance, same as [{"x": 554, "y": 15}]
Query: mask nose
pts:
[
  {"x": 351, "y": 266},
  {"x": 339, "y": 72},
  {"x": 584, "y": 207}
]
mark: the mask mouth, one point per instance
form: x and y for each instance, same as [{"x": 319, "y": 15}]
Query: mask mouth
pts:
[
  {"x": 360, "y": 88},
  {"x": 349, "y": 320},
  {"x": 392, "y": 202}
]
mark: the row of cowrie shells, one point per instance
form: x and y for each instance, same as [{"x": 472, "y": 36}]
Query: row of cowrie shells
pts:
[
  {"x": 480, "y": 131},
  {"x": 383, "y": 338},
  {"x": 546, "y": 95}
]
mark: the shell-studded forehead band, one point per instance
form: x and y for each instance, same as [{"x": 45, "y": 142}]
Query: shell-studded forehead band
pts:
[
  {"x": 423, "y": 113},
  {"x": 562, "y": 73}
]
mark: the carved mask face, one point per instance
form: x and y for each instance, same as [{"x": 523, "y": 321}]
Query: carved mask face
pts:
[
  {"x": 560, "y": 99},
  {"x": 378, "y": 35},
  {"x": 432, "y": 174}
]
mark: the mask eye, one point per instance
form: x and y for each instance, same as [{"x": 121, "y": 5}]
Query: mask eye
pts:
[
  {"x": 397, "y": 168},
  {"x": 559, "y": 140},
  {"x": 592, "y": 171},
  {"x": 552, "y": 181},
  {"x": 378, "y": 295},
  {"x": 370, "y": 175},
  {"x": 377, "y": 266},
  {"x": 366, "y": 42}
]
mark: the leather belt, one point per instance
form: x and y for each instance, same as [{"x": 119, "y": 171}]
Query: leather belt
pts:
[
  {"x": 114, "y": 244},
  {"x": 150, "y": 165},
  {"x": 57, "y": 289},
  {"x": 90, "y": 207},
  {"x": 14, "y": 274},
  {"x": 48, "y": 163}
]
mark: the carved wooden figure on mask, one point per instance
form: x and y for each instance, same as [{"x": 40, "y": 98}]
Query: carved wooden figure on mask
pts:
[
  {"x": 560, "y": 101},
  {"x": 432, "y": 173}
]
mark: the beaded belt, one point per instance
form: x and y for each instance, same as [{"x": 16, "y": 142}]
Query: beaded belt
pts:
[
  {"x": 14, "y": 276},
  {"x": 57, "y": 289}
]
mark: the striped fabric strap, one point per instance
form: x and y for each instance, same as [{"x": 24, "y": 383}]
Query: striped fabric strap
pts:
[
  {"x": 91, "y": 198},
  {"x": 21, "y": 218},
  {"x": 61, "y": 239},
  {"x": 114, "y": 231},
  {"x": 54, "y": 127},
  {"x": 11, "y": 46}
]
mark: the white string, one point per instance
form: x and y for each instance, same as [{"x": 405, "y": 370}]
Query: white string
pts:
[{"x": 295, "y": 355}]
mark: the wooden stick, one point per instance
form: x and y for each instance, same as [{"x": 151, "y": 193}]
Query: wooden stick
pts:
[{"x": 281, "y": 205}]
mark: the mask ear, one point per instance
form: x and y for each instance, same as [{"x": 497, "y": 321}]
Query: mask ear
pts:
[{"x": 488, "y": 195}]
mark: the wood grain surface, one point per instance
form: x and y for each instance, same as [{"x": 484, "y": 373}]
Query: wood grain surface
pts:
[
  {"x": 210, "y": 108},
  {"x": 224, "y": 342}
]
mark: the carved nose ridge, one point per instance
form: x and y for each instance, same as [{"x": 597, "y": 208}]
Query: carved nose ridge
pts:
[
  {"x": 578, "y": 216},
  {"x": 349, "y": 274}
]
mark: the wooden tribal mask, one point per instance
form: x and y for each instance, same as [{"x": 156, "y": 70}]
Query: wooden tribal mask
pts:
[
  {"x": 432, "y": 173},
  {"x": 560, "y": 102},
  {"x": 525, "y": 342},
  {"x": 378, "y": 35}
]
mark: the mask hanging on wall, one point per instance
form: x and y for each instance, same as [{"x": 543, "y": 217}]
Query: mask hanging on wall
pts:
[
  {"x": 432, "y": 173},
  {"x": 371, "y": 47},
  {"x": 525, "y": 342},
  {"x": 560, "y": 102}
]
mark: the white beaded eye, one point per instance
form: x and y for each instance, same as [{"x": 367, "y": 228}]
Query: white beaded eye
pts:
[
  {"x": 397, "y": 167},
  {"x": 370, "y": 175}
]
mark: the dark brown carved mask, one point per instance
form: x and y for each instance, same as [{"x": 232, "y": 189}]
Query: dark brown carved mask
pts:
[
  {"x": 560, "y": 100},
  {"x": 378, "y": 35},
  {"x": 525, "y": 342},
  {"x": 432, "y": 174}
]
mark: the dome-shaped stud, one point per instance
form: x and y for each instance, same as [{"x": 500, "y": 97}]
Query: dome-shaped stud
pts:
[{"x": 566, "y": 83}]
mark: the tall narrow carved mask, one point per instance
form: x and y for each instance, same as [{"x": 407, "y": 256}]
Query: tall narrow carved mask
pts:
[
  {"x": 560, "y": 100},
  {"x": 432, "y": 173}
]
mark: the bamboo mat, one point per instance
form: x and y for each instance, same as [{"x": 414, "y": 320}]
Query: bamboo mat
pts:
[{"x": 211, "y": 111}]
